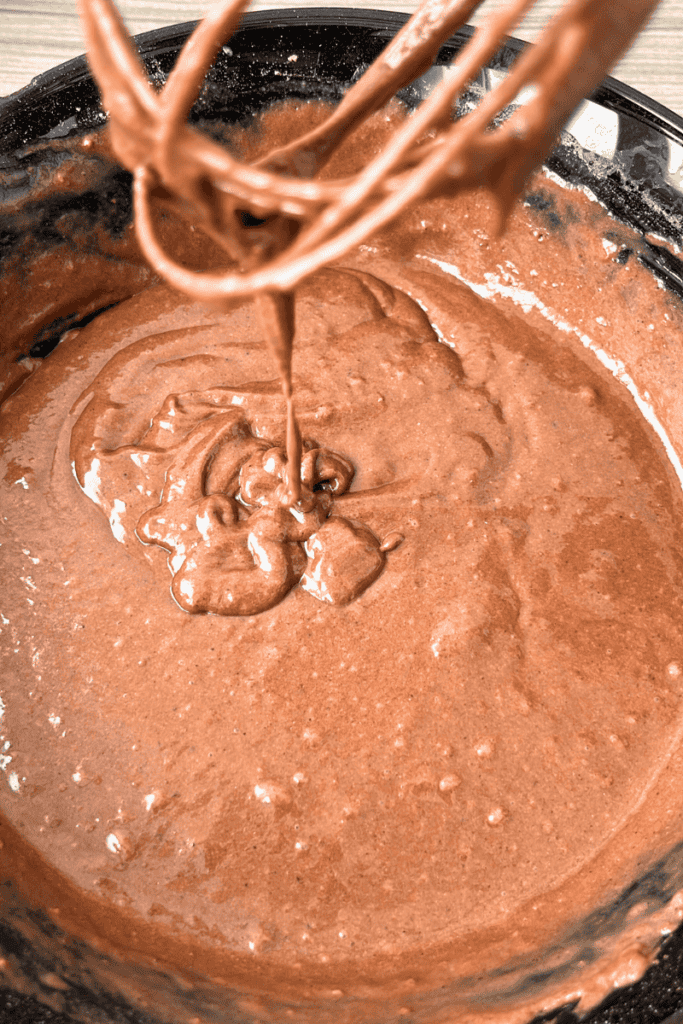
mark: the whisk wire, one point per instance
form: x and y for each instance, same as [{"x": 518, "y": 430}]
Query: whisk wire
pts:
[{"x": 429, "y": 153}]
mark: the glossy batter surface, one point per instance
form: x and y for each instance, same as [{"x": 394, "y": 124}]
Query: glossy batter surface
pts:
[{"x": 463, "y": 677}]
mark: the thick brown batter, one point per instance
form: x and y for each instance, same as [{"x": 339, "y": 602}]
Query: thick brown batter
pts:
[{"x": 459, "y": 675}]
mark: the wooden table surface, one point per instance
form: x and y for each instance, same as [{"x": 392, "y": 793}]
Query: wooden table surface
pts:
[{"x": 38, "y": 34}]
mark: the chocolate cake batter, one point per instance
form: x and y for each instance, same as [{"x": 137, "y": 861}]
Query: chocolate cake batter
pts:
[{"x": 395, "y": 739}]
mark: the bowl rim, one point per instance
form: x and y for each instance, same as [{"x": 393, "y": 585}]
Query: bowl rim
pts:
[{"x": 611, "y": 93}]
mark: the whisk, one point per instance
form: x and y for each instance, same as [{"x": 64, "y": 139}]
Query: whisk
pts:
[
  {"x": 310, "y": 222},
  {"x": 152, "y": 139}
]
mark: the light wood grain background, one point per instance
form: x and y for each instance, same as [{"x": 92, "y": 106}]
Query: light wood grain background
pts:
[{"x": 37, "y": 34}]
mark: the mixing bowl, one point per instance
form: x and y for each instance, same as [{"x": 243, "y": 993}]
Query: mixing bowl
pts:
[{"x": 622, "y": 148}]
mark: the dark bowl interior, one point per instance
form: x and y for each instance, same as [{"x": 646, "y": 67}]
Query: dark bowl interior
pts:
[{"x": 633, "y": 170}]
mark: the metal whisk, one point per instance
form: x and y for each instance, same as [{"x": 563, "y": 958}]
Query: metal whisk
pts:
[{"x": 152, "y": 139}]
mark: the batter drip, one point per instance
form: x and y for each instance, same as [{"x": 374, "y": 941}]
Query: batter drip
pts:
[{"x": 236, "y": 547}]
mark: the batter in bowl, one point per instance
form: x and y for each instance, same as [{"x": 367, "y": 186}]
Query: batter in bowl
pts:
[{"x": 431, "y": 744}]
